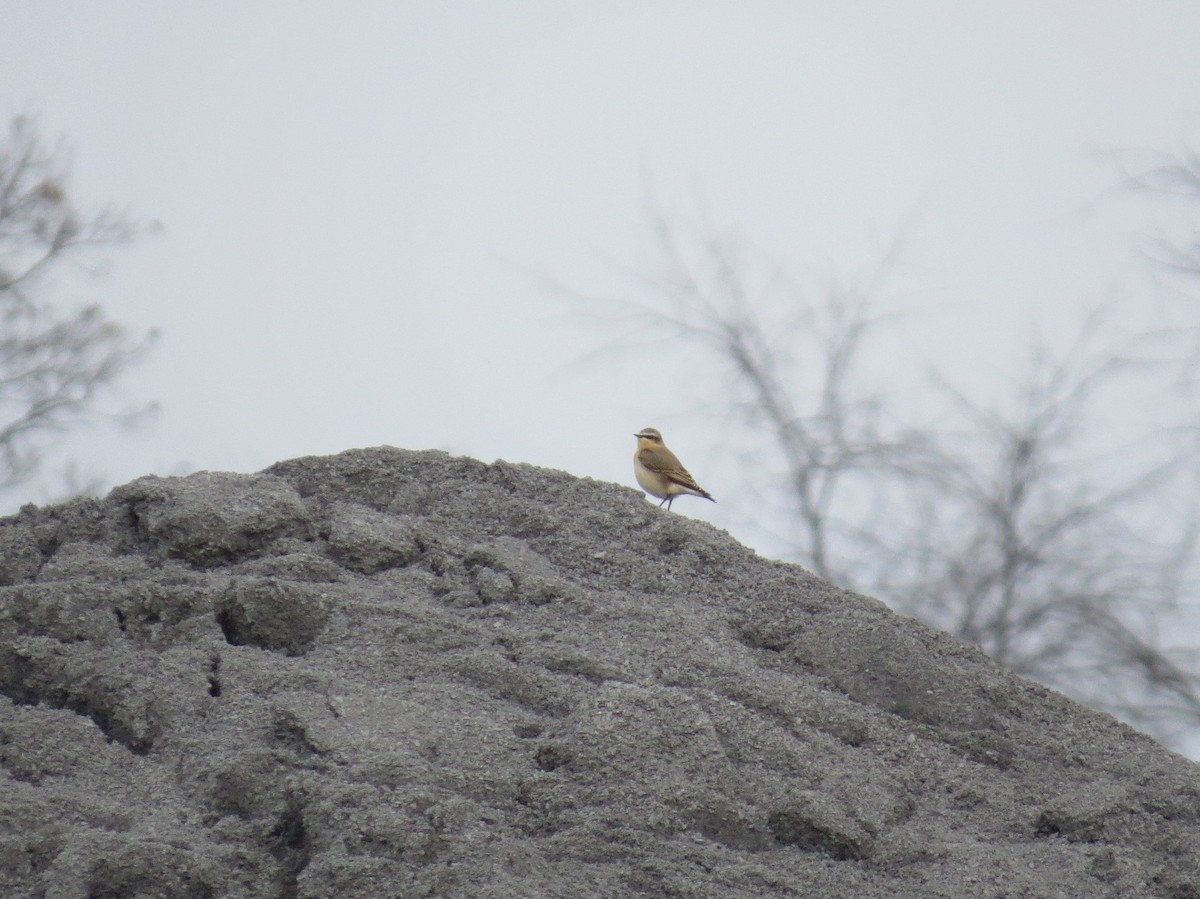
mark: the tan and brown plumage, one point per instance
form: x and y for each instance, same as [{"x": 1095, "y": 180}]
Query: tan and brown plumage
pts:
[{"x": 659, "y": 471}]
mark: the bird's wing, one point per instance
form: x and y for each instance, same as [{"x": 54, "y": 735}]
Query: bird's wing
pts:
[{"x": 664, "y": 463}]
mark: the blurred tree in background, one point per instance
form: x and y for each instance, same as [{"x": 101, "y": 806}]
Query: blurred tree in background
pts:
[
  {"x": 1045, "y": 524},
  {"x": 56, "y": 362},
  {"x": 1176, "y": 177}
]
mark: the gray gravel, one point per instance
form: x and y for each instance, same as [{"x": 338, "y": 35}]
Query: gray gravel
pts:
[{"x": 392, "y": 674}]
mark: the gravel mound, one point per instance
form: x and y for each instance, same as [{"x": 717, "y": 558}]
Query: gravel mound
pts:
[{"x": 399, "y": 674}]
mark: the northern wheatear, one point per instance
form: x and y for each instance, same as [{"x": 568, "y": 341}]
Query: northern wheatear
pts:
[{"x": 659, "y": 471}]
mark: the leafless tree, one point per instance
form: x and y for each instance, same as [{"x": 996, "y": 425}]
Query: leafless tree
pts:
[
  {"x": 55, "y": 362},
  {"x": 999, "y": 523},
  {"x": 1177, "y": 177}
]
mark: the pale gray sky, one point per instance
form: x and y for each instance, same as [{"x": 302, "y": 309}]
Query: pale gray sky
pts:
[{"x": 358, "y": 198}]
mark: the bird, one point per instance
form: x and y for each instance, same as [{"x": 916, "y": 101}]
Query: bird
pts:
[{"x": 660, "y": 472}]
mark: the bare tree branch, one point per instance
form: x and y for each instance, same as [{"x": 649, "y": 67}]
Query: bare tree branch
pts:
[{"x": 54, "y": 362}]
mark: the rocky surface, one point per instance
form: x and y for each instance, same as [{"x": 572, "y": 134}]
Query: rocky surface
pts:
[{"x": 390, "y": 673}]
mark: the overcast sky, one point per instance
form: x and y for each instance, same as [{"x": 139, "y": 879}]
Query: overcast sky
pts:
[{"x": 361, "y": 201}]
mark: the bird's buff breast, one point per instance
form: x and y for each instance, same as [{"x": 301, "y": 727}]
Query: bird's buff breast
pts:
[{"x": 650, "y": 482}]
